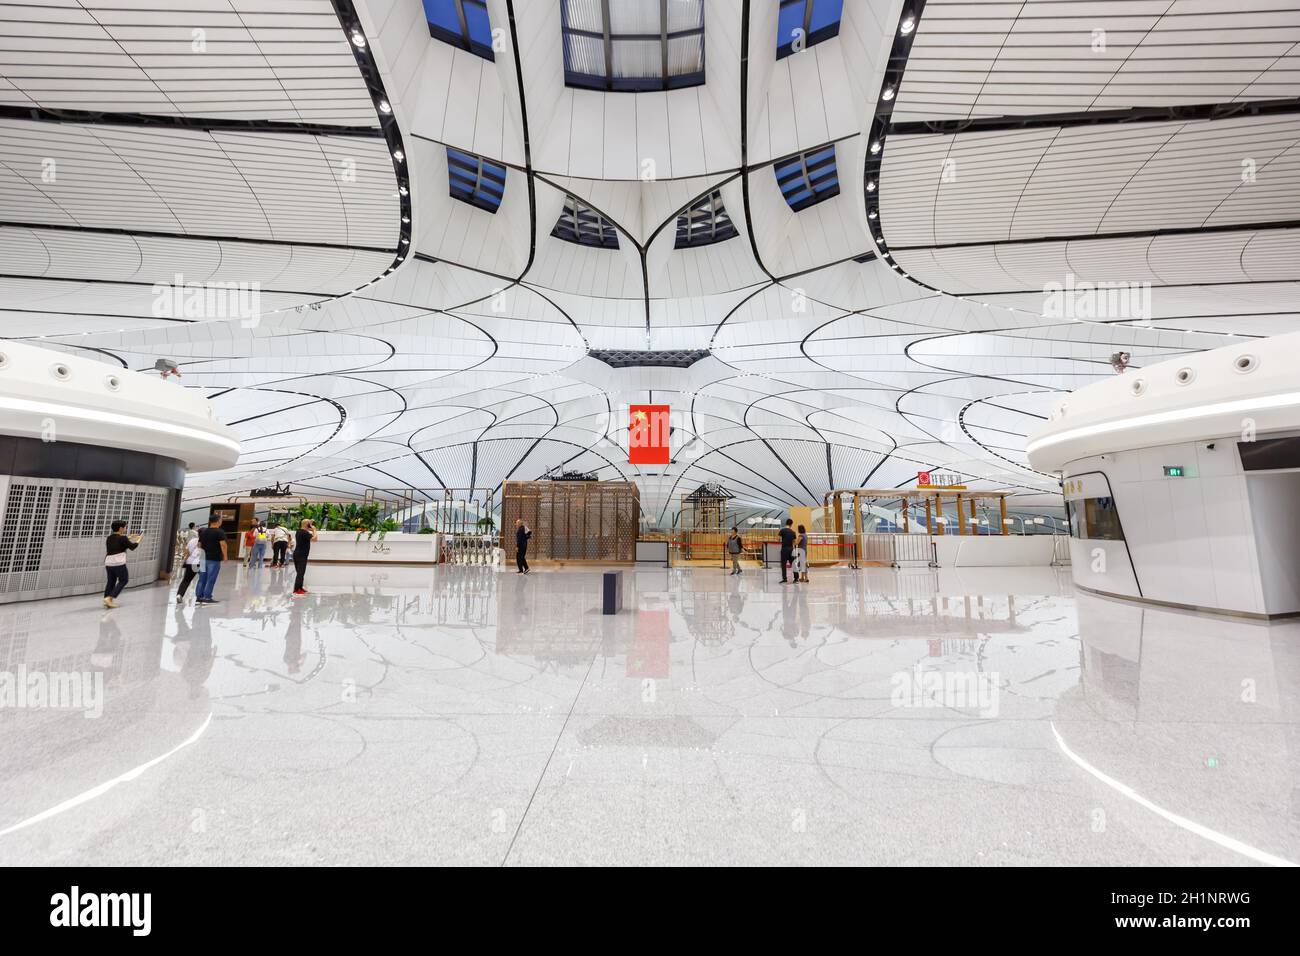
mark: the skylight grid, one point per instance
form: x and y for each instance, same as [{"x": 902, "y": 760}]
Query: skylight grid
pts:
[
  {"x": 705, "y": 223},
  {"x": 805, "y": 23},
  {"x": 633, "y": 46},
  {"x": 462, "y": 23},
  {"x": 808, "y": 178},
  {"x": 581, "y": 224},
  {"x": 475, "y": 180}
]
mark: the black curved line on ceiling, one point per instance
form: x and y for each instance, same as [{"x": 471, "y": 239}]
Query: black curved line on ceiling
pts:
[
  {"x": 1132, "y": 114},
  {"x": 187, "y": 236},
  {"x": 349, "y": 21},
  {"x": 744, "y": 145},
  {"x": 961, "y": 423},
  {"x": 1102, "y": 236},
  {"x": 40, "y": 114}
]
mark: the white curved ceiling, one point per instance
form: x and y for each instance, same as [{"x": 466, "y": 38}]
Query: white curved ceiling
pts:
[{"x": 264, "y": 159}]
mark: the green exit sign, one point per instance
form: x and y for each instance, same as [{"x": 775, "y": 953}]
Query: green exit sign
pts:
[{"x": 1174, "y": 471}]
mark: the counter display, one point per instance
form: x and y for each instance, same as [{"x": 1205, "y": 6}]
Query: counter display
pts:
[{"x": 395, "y": 547}]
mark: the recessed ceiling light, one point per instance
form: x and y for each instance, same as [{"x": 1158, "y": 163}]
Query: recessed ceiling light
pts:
[
  {"x": 871, "y": 186},
  {"x": 358, "y": 41},
  {"x": 872, "y": 214},
  {"x": 908, "y": 25},
  {"x": 406, "y": 242},
  {"x": 888, "y": 93},
  {"x": 403, "y": 190},
  {"x": 406, "y": 219},
  {"x": 385, "y": 108},
  {"x": 875, "y": 147},
  {"x": 399, "y": 155}
]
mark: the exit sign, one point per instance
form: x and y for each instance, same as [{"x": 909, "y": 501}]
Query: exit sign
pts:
[{"x": 1174, "y": 471}]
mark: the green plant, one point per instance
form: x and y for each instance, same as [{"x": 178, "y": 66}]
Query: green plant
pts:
[
  {"x": 485, "y": 524},
  {"x": 425, "y": 531}
]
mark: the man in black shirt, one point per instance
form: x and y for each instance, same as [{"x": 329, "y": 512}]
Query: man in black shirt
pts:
[
  {"x": 522, "y": 534},
  {"x": 213, "y": 542},
  {"x": 787, "y": 548},
  {"x": 302, "y": 540}
]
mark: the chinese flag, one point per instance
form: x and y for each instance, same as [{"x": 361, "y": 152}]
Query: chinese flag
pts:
[{"x": 647, "y": 439}]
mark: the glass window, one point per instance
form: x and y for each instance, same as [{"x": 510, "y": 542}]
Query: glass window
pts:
[
  {"x": 805, "y": 23},
  {"x": 808, "y": 178},
  {"x": 581, "y": 224},
  {"x": 462, "y": 23},
  {"x": 475, "y": 180},
  {"x": 705, "y": 223},
  {"x": 633, "y": 46},
  {"x": 1096, "y": 519}
]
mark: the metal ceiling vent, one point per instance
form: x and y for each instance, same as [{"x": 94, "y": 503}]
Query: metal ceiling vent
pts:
[{"x": 663, "y": 358}]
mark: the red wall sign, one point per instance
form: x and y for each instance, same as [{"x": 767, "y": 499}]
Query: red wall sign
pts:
[
  {"x": 922, "y": 479},
  {"x": 647, "y": 438}
]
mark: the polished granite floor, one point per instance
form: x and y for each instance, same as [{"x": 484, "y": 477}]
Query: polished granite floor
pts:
[{"x": 463, "y": 715}]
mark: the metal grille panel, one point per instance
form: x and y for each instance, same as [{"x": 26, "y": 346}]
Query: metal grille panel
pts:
[
  {"x": 573, "y": 520},
  {"x": 53, "y": 530}
]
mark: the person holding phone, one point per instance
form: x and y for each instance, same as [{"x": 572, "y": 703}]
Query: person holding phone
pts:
[
  {"x": 303, "y": 539},
  {"x": 116, "y": 546}
]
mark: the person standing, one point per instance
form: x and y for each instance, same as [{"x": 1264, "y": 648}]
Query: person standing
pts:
[
  {"x": 303, "y": 539},
  {"x": 116, "y": 546},
  {"x": 801, "y": 556},
  {"x": 191, "y": 533},
  {"x": 522, "y": 534},
  {"x": 193, "y": 565},
  {"x": 212, "y": 541},
  {"x": 735, "y": 547},
  {"x": 258, "y": 556},
  {"x": 279, "y": 545},
  {"x": 787, "y": 549}
]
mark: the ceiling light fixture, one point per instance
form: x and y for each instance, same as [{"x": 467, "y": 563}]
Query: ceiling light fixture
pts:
[
  {"x": 908, "y": 25},
  {"x": 871, "y": 186},
  {"x": 875, "y": 147},
  {"x": 872, "y": 214},
  {"x": 358, "y": 41},
  {"x": 399, "y": 155},
  {"x": 403, "y": 190},
  {"x": 385, "y": 108},
  {"x": 887, "y": 94}
]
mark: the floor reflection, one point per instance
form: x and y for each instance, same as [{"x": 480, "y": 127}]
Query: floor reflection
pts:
[{"x": 467, "y": 715}]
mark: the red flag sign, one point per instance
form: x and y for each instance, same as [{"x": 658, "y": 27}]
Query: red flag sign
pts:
[{"x": 647, "y": 439}]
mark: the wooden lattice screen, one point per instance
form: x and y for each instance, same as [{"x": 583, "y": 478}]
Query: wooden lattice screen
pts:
[{"x": 573, "y": 520}]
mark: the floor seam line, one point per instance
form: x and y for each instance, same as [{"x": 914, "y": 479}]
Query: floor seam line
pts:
[{"x": 550, "y": 757}]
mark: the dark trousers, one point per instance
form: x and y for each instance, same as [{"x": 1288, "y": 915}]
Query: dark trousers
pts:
[
  {"x": 190, "y": 575},
  {"x": 521, "y": 559},
  {"x": 278, "y": 551},
  {"x": 116, "y": 580},
  {"x": 300, "y": 565},
  {"x": 787, "y": 559}
]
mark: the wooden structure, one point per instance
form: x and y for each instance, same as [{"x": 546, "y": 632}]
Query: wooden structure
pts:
[
  {"x": 705, "y": 508},
  {"x": 959, "y": 500},
  {"x": 572, "y": 520}
]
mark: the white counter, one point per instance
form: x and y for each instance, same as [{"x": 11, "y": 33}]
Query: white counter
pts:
[
  {"x": 993, "y": 550},
  {"x": 396, "y": 547}
]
